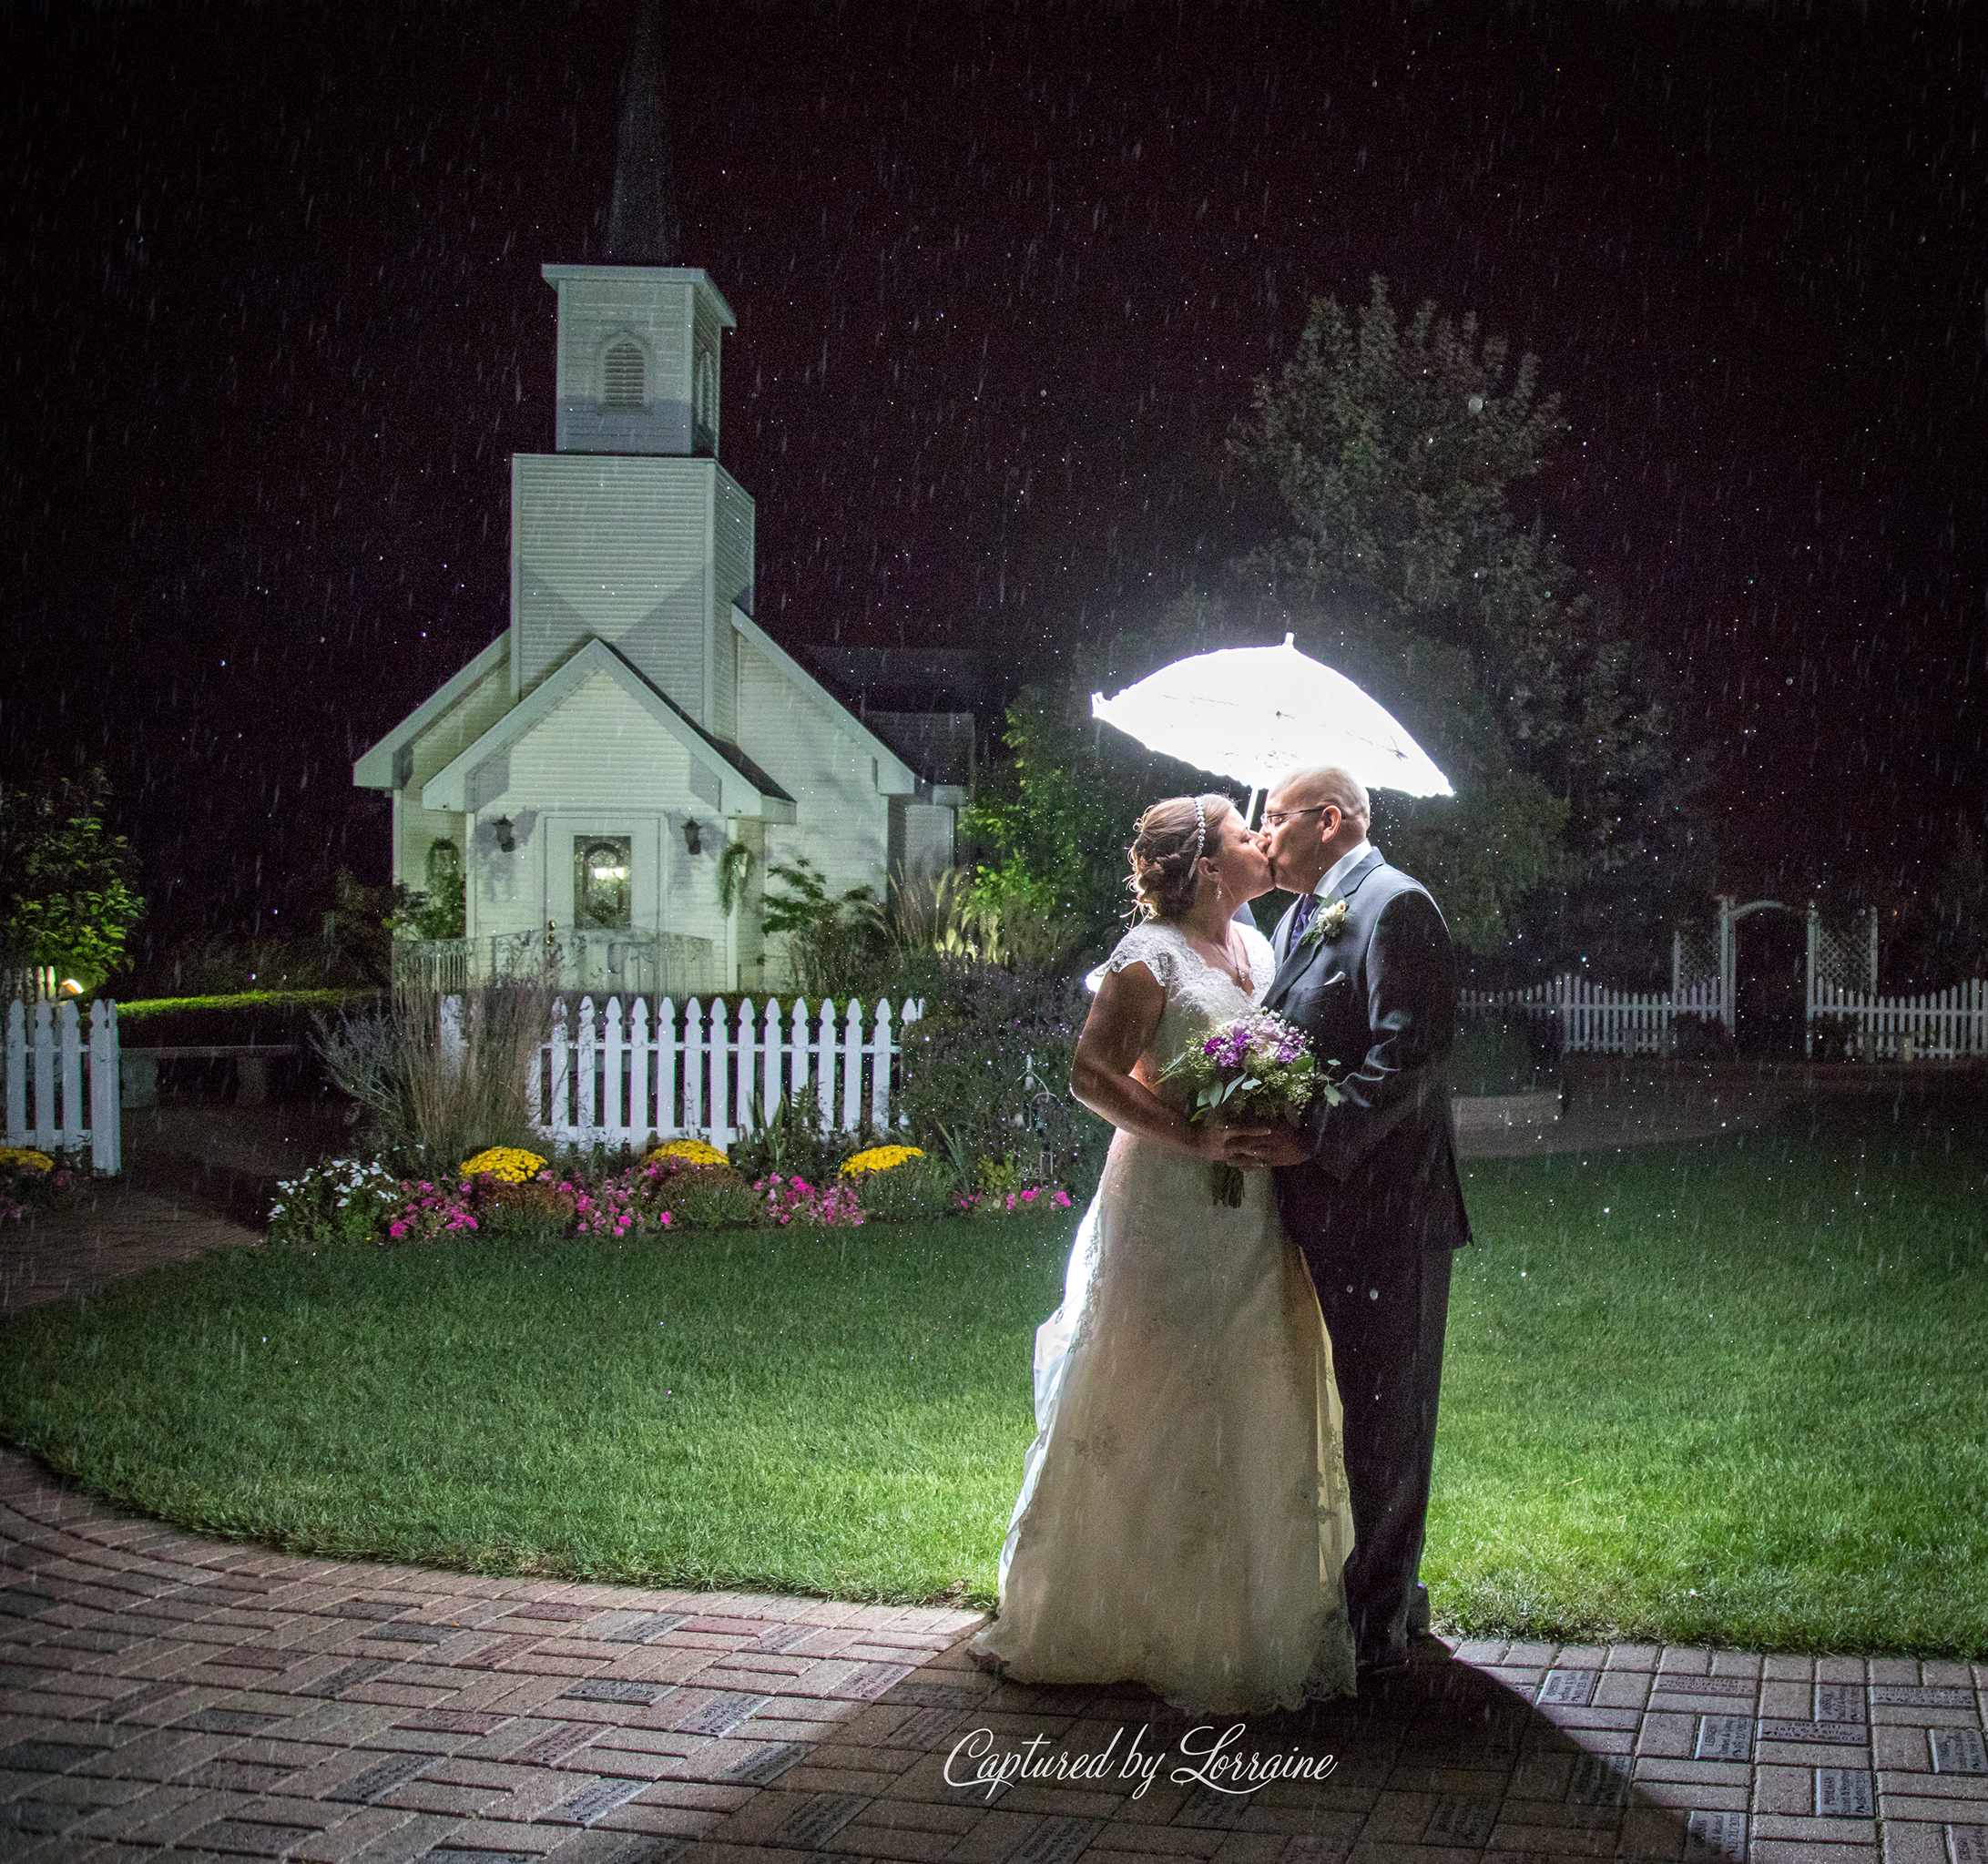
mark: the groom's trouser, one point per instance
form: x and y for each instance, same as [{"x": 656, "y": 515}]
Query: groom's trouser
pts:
[{"x": 1385, "y": 1311}]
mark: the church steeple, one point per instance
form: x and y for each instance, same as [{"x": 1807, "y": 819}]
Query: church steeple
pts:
[
  {"x": 639, "y": 335},
  {"x": 642, "y": 224}
]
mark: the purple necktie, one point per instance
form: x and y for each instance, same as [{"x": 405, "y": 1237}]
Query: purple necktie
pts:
[{"x": 1301, "y": 918}]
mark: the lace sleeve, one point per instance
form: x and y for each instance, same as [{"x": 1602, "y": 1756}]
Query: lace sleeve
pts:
[{"x": 1147, "y": 944}]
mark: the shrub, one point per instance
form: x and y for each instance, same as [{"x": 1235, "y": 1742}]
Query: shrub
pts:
[
  {"x": 921, "y": 1187},
  {"x": 343, "y": 1200},
  {"x": 538, "y": 1205},
  {"x": 831, "y": 939},
  {"x": 39, "y": 1179},
  {"x": 1700, "y": 1039},
  {"x": 878, "y": 1159},
  {"x": 690, "y": 1151},
  {"x": 796, "y": 1140},
  {"x": 1495, "y": 1058},
  {"x": 441, "y": 1093},
  {"x": 986, "y": 1072}
]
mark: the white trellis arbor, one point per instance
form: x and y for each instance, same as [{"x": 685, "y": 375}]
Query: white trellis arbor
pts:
[{"x": 1839, "y": 958}]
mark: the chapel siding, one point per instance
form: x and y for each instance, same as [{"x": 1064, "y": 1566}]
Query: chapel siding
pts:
[
  {"x": 841, "y": 822},
  {"x": 598, "y": 764},
  {"x": 618, "y": 547},
  {"x": 417, "y": 828}
]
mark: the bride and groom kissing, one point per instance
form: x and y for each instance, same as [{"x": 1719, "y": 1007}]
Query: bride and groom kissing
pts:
[{"x": 1236, "y": 1406}]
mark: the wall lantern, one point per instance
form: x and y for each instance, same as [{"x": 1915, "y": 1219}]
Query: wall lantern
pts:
[
  {"x": 503, "y": 826},
  {"x": 693, "y": 836}
]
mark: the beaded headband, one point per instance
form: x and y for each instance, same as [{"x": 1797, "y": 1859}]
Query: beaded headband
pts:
[{"x": 1200, "y": 829}]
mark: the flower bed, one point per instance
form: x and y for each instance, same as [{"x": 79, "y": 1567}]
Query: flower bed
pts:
[
  {"x": 32, "y": 1178},
  {"x": 685, "y": 1184}
]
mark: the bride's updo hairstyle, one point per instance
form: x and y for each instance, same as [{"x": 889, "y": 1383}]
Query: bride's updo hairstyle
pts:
[{"x": 1167, "y": 841}]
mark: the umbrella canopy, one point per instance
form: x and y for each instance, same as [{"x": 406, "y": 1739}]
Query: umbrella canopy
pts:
[{"x": 1258, "y": 713}]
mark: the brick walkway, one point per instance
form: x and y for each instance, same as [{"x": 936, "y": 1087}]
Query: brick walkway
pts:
[{"x": 158, "y": 1691}]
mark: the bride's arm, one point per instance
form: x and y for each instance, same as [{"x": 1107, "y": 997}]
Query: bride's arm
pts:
[{"x": 1123, "y": 1020}]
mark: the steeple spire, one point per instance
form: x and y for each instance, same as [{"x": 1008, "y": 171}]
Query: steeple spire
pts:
[{"x": 642, "y": 225}]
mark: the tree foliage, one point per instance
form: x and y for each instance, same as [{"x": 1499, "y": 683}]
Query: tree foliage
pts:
[
  {"x": 67, "y": 896},
  {"x": 1397, "y": 449},
  {"x": 1052, "y": 821}
]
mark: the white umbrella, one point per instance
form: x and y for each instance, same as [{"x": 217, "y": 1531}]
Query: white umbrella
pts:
[{"x": 1258, "y": 713}]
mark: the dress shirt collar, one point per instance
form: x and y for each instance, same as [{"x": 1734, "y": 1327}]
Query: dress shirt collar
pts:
[{"x": 1340, "y": 868}]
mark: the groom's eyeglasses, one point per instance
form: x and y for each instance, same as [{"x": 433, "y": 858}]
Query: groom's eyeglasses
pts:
[{"x": 1277, "y": 817}]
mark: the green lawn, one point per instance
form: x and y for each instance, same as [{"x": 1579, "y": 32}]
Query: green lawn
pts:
[{"x": 1725, "y": 1391}]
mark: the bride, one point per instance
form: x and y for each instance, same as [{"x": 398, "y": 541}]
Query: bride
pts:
[{"x": 1183, "y": 1516}]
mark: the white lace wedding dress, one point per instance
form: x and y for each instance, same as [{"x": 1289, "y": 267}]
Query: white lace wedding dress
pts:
[{"x": 1183, "y": 1516}]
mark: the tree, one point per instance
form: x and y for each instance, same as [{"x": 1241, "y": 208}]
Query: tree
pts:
[
  {"x": 1052, "y": 821},
  {"x": 1396, "y": 450},
  {"x": 66, "y": 891}
]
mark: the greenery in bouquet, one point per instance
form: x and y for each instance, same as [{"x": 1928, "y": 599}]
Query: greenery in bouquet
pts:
[{"x": 1257, "y": 1067}]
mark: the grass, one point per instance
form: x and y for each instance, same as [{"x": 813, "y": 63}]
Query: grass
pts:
[
  {"x": 841, "y": 1412},
  {"x": 1725, "y": 1392}
]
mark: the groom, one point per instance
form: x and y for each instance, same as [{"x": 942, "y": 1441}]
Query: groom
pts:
[{"x": 1368, "y": 1189}]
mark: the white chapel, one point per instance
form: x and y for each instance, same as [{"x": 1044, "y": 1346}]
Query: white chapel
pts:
[{"x": 590, "y": 767}]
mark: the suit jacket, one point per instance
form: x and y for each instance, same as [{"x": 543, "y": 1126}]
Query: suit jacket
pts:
[{"x": 1379, "y": 1003}]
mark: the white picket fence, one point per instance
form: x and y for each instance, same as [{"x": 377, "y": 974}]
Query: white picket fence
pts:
[
  {"x": 1595, "y": 1021},
  {"x": 1940, "y": 1026},
  {"x": 612, "y": 1075},
  {"x": 1944, "y": 1026},
  {"x": 50, "y": 1105}
]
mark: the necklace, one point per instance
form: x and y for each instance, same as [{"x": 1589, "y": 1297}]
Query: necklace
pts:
[{"x": 1235, "y": 971}]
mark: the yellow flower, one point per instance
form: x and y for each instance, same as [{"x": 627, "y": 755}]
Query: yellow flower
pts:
[
  {"x": 878, "y": 1159},
  {"x": 692, "y": 1151},
  {"x": 510, "y": 1164},
  {"x": 25, "y": 1159}
]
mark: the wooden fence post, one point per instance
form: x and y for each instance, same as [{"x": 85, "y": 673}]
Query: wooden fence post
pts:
[{"x": 107, "y": 1103}]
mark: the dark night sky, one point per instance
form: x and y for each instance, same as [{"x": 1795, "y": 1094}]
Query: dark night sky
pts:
[{"x": 271, "y": 325}]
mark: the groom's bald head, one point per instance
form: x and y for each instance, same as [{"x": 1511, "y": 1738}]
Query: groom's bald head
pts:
[
  {"x": 1328, "y": 784},
  {"x": 1310, "y": 819}
]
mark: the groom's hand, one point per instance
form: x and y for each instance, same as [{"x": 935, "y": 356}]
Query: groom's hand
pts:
[
  {"x": 1283, "y": 1144},
  {"x": 1236, "y": 1146}
]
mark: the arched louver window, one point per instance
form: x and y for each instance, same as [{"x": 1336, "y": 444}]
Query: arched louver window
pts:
[
  {"x": 703, "y": 400},
  {"x": 621, "y": 377}
]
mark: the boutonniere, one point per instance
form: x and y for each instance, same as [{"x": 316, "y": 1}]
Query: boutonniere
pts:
[{"x": 1326, "y": 924}]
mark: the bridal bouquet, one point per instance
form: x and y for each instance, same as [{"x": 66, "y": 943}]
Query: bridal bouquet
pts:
[{"x": 1258, "y": 1068}]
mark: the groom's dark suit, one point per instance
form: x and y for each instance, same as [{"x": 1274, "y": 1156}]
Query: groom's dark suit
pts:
[{"x": 1377, "y": 1210}]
